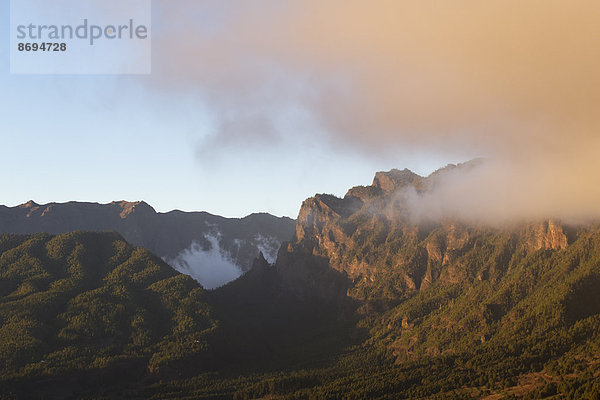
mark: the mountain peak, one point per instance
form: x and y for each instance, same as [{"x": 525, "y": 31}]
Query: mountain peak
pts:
[
  {"x": 131, "y": 207},
  {"x": 260, "y": 261},
  {"x": 386, "y": 182},
  {"x": 395, "y": 179},
  {"x": 29, "y": 204},
  {"x": 465, "y": 166}
]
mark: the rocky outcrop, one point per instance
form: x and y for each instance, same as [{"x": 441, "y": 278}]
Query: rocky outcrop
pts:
[
  {"x": 323, "y": 211},
  {"x": 387, "y": 183},
  {"x": 367, "y": 236},
  {"x": 138, "y": 207},
  {"x": 395, "y": 179},
  {"x": 548, "y": 235}
]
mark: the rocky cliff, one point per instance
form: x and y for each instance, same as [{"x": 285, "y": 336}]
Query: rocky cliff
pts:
[
  {"x": 422, "y": 307},
  {"x": 442, "y": 287},
  {"x": 369, "y": 236}
]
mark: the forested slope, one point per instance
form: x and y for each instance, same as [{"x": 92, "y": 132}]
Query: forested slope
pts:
[{"x": 88, "y": 312}]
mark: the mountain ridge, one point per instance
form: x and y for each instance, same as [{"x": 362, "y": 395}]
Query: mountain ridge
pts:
[
  {"x": 165, "y": 234},
  {"x": 487, "y": 306},
  {"x": 366, "y": 302}
]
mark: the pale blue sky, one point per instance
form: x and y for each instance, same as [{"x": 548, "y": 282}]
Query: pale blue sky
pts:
[{"x": 103, "y": 138}]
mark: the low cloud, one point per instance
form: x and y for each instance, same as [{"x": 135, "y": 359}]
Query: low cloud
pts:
[
  {"x": 498, "y": 192},
  {"x": 516, "y": 82},
  {"x": 212, "y": 268},
  {"x": 268, "y": 246}
]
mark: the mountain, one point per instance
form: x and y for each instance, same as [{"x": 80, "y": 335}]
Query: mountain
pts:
[
  {"x": 426, "y": 308},
  {"x": 181, "y": 238},
  {"x": 370, "y": 237},
  {"x": 365, "y": 301},
  {"x": 86, "y": 312}
]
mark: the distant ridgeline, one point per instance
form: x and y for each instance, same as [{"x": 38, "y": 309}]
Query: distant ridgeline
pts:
[
  {"x": 363, "y": 302},
  {"x": 165, "y": 234}
]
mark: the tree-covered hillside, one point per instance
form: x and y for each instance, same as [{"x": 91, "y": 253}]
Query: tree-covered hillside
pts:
[
  {"x": 88, "y": 313},
  {"x": 511, "y": 323}
]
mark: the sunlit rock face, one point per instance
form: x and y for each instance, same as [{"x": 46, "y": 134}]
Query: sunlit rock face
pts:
[{"x": 372, "y": 237}]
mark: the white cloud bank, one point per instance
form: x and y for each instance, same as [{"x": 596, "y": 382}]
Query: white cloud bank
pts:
[{"x": 211, "y": 268}]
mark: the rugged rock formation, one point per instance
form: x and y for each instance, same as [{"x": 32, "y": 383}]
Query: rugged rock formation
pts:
[
  {"x": 546, "y": 235},
  {"x": 369, "y": 237}
]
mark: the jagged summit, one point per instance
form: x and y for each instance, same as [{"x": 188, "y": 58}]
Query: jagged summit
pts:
[
  {"x": 372, "y": 226},
  {"x": 260, "y": 261},
  {"x": 136, "y": 207},
  {"x": 395, "y": 179},
  {"x": 29, "y": 204},
  {"x": 387, "y": 182}
]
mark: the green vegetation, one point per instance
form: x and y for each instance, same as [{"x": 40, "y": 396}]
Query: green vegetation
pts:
[
  {"x": 483, "y": 312},
  {"x": 518, "y": 324},
  {"x": 90, "y": 305}
]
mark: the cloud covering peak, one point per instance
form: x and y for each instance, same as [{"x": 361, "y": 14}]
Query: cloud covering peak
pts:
[{"x": 517, "y": 82}]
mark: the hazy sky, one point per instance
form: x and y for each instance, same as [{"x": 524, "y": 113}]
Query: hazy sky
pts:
[
  {"x": 154, "y": 138},
  {"x": 254, "y": 106}
]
